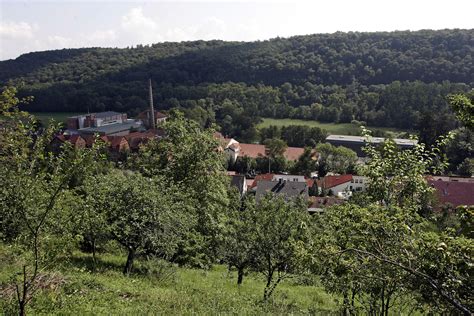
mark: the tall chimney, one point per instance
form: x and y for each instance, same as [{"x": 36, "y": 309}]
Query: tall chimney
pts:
[{"x": 152, "y": 110}]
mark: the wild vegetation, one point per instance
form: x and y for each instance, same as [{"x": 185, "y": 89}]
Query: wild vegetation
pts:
[{"x": 171, "y": 205}]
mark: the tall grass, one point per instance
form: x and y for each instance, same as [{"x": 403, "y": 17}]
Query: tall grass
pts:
[{"x": 183, "y": 292}]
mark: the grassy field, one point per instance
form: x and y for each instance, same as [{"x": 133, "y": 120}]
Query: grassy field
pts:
[
  {"x": 76, "y": 290},
  {"x": 45, "y": 117},
  {"x": 332, "y": 128}
]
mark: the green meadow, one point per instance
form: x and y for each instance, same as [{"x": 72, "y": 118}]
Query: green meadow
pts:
[{"x": 332, "y": 128}]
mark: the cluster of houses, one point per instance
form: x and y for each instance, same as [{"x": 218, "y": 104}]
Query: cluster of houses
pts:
[
  {"x": 122, "y": 134},
  {"x": 337, "y": 189},
  {"x": 319, "y": 192}
]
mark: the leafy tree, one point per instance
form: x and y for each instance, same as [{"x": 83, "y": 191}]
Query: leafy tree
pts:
[
  {"x": 464, "y": 108},
  {"x": 275, "y": 147},
  {"x": 240, "y": 239},
  {"x": 397, "y": 177},
  {"x": 33, "y": 180},
  {"x": 187, "y": 158},
  {"x": 141, "y": 213},
  {"x": 306, "y": 163},
  {"x": 282, "y": 237},
  {"x": 335, "y": 159},
  {"x": 387, "y": 240}
]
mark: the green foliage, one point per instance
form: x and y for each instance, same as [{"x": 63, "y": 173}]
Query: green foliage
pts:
[
  {"x": 397, "y": 177},
  {"x": 337, "y": 159},
  {"x": 306, "y": 163},
  {"x": 282, "y": 238},
  {"x": 142, "y": 214},
  {"x": 188, "y": 159},
  {"x": 463, "y": 106},
  {"x": 35, "y": 185},
  {"x": 382, "y": 248},
  {"x": 239, "y": 244},
  {"x": 275, "y": 147}
]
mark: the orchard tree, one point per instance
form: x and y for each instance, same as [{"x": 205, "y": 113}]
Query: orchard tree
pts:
[
  {"x": 188, "y": 158},
  {"x": 33, "y": 180},
  {"x": 397, "y": 177},
  {"x": 282, "y": 238},
  {"x": 384, "y": 241},
  {"x": 240, "y": 239},
  {"x": 141, "y": 213}
]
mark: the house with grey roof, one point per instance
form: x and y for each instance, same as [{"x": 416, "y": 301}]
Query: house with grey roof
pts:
[{"x": 289, "y": 189}]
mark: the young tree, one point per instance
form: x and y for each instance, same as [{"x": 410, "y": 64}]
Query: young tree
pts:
[
  {"x": 387, "y": 239},
  {"x": 282, "y": 239},
  {"x": 239, "y": 240},
  {"x": 140, "y": 212},
  {"x": 33, "y": 180}
]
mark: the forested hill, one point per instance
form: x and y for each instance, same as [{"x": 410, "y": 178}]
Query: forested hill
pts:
[{"x": 330, "y": 77}]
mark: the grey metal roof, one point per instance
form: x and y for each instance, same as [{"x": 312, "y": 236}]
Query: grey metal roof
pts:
[
  {"x": 99, "y": 114},
  {"x": 106, "y": 114},
  {"x": 375, "y": 140},
  {"x": 110, "y": 129}
]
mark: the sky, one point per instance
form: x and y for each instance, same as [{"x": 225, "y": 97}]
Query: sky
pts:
[{"x": 27, "y": 26}]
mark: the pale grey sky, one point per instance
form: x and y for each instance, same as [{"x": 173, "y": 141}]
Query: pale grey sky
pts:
[{"x": 27, "y": 26}]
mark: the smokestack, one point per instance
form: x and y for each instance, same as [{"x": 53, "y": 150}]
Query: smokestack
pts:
[{"x": 152, "y": 110}]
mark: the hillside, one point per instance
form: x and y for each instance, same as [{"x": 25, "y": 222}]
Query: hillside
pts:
[
  {"x": 385, "y": 78},
  {"x": 75, "y": 288}
]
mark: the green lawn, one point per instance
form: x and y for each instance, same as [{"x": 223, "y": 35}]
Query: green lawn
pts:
[
  {"x": 332, "y": 128},
  {"x": 59, "y": 117},
  {"x": 188, "y": 291}
]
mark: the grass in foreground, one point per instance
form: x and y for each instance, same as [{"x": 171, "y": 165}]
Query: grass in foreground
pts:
[
  {"x": 332, "y": 128},
  {"x": 77, "y": 290}
]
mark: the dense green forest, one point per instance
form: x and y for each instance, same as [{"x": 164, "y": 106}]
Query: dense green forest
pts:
[{"x": 391, "y": 79}]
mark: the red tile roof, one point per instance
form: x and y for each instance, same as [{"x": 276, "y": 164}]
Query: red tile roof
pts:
[
  {"x": 455, "y": 193},
  {"x": 332, "y": 181},
  {"x": 257, "y": 150},
  {"x": 252, "y": 150},
  {"x": 117, "y": 141},
  {"x": 76, "y": 140},
  {"x": 293, "y": 153}
]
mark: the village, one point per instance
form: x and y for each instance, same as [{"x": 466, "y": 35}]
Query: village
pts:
[{"x": 123, "y": 135}]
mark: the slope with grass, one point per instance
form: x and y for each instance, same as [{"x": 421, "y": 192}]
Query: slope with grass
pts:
[{"x": 74, "y": 289}]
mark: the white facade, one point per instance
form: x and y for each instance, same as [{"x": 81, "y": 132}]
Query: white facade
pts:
[
  {"x": 344, "y": 190},
  {"x": 358, "y": 183}
]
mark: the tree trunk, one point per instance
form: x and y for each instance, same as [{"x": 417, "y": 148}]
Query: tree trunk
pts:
[
  {"x": 128, "y": 265},
  {"x": 240, "y": 275},
  {"x": 267, "y": 286},
  {"x": 94, "y": 258},
  {"x": 21, "y": 312}
]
